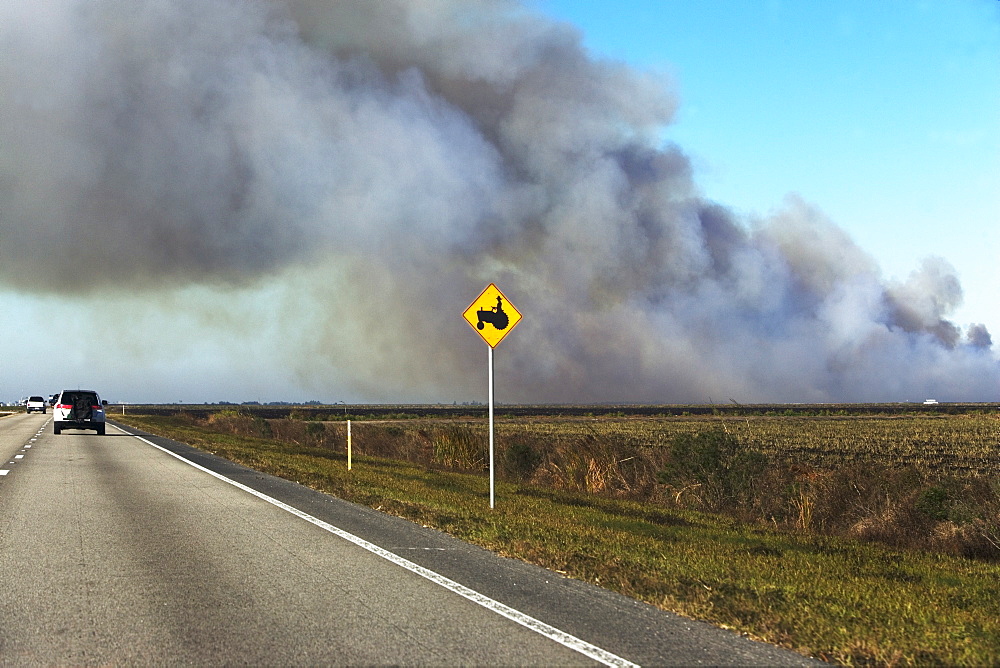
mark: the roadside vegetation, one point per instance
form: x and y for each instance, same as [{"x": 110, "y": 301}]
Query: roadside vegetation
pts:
[{"x": 864, "y": 540}]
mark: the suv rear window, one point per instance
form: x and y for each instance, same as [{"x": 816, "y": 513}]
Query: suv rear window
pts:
[
  {"x": 36, "y": 399},
  {"x": 73, "y": 397}
]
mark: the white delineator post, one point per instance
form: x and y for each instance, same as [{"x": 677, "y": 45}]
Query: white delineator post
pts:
[{"x": 348, "y": 445}]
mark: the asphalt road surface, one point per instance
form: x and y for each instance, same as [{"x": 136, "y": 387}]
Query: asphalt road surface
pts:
[{"x": 125, "y": 550}]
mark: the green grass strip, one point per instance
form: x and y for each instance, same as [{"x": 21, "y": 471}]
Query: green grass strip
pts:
[{"x": 849, "y": 602}]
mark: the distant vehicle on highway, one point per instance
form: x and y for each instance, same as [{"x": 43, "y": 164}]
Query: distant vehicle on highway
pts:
[
  {"x": 78, "y": 409},
  {"x": 34, "y": 403}
]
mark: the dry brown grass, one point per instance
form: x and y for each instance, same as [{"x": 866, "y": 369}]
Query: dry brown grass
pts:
[
  {"x": 846, "y": 601},
  {"x": 918, "y": 482}
]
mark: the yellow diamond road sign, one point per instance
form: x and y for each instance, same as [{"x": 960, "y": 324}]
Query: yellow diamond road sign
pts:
[{"x": 492, "y": 315}]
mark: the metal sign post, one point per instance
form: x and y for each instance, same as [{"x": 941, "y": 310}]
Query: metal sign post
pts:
[
  {"x": 491, "y": 427},
  {"x": 492, "y": 308}
]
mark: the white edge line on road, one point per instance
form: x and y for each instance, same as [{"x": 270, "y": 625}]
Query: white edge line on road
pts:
[{"x": 561, "y": 637}]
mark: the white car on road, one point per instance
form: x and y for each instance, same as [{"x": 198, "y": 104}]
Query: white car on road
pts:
[
  {"x": 78, "y": 409},
  {"x": 34, "y": 404}
]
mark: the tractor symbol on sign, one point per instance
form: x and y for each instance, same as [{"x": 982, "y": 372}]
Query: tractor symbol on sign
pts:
[{"x": 496, "y": 316}]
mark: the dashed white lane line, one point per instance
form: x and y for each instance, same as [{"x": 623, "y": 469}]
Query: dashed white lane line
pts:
[
  {"x": 538, "y": 626},
  {"x": 4, "y": 471},
  {"x": 18, "y": 456}
]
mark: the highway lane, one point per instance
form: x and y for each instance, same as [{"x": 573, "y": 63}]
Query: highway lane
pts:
[
  {"x": 18, "y": 434},
  {"x": 113, "y": 551}
]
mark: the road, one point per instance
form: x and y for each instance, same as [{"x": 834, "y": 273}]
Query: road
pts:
[{"x": 123, "y": 550}]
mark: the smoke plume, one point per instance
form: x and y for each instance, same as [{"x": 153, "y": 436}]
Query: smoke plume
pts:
[{"x": 342, "y": 179}]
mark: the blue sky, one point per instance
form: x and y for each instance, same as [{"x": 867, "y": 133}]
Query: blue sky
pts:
[{"x": 885, "y": 115}]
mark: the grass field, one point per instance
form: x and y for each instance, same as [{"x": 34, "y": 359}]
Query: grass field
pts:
[{"x": 857, "y": 539}]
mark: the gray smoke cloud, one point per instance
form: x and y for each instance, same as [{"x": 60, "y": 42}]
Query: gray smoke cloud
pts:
[{"x": 344, "y": 178}]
